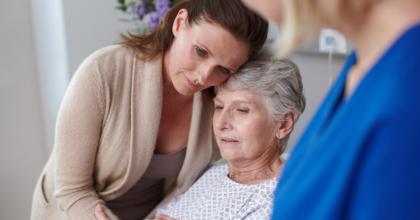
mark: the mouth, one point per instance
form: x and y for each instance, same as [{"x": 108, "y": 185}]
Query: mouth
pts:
[
  {"x": 195, "y": 86},
  {"x": 226, "y": 140}
]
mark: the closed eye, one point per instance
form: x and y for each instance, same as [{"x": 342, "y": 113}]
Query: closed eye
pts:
[
  {"x": 201, "y": 52},
  {"x": 223, "y": 70},
  {"x": 242, "y": 110},
  {"x": 218, "y": 107}
]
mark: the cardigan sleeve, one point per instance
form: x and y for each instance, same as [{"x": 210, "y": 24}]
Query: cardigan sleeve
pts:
[
  {"x": 388, "y": 180},
  {"x": 78, "y": 131}
]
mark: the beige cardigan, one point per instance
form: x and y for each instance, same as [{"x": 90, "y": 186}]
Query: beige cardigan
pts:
[{"x": 106, "y": 134}]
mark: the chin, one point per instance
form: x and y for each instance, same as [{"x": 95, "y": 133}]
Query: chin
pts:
[
  {"x": 228, "y": 155},
  {"x": 186, "y": 93},
  {"x": 183, "y": 90}
]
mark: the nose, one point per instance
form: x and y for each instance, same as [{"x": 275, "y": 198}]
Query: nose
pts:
[
  {"x": 204, "y": 74},
  {"x": 222, "y": 120}
]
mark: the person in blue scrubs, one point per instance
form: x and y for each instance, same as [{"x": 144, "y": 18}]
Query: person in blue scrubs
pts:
[{"x": 359, "y": 158}]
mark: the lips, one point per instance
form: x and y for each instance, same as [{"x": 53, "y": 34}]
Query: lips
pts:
[
  {"x": 195, "y": 86},
  {"x": 228, "y": 140}
]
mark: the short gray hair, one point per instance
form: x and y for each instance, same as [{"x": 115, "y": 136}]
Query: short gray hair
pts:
[{"x": 277, "y": 81}]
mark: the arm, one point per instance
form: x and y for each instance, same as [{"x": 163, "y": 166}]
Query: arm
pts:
[{"x": 78, "y": 131}]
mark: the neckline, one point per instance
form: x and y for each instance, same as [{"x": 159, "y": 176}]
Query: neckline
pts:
[
  {"x": 380, "y": 59},
  {"x": 233, "y": 182},
  {"x": 337, "y": 101}
]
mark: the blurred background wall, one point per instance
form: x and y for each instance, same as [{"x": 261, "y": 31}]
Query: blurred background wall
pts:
[{"x": 42, "y": 42}]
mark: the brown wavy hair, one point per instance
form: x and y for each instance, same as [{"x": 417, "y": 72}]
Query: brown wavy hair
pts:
[{"x": 232, "y": 15}]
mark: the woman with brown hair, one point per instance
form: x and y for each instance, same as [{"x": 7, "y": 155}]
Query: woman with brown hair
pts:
[{"x": 134, "y": 128}]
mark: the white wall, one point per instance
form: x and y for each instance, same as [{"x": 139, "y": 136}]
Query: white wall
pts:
[
  {"x": 315, "y": 71},
  {"x": 51, "y": 53},
  {"x": 89, "y": 26},
  {"x": 22, "y": 140}
]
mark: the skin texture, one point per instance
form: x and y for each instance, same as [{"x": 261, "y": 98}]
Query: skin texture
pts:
[
  {"x": 247, "y": 135},
  {"x": 202, "y": 54},
  {"x": 199, "y": 56},
  {"x": 243, "y": 128}
]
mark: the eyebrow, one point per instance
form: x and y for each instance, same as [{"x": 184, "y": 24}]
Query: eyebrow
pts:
[
  {"x": 215, "y": 99},
  {"x": 232, "y": 70}
]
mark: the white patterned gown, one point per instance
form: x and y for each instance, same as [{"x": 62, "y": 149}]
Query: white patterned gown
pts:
[{"x": 216, "y": 196}]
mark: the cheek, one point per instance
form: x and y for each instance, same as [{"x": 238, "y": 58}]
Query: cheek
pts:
[
  {"x": 182, "y": 65},
  {"x": 258, "y": 133},
  {"x": 182, "y": 57},
  {"x": 249, "y": 130},
  {"x": 185, "y": 63}
]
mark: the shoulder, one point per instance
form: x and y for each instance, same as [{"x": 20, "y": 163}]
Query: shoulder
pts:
[
  {"x": 265, "y": 190},
  {"x": 112, "y": 56},
  {"x": 260, "y": 203},
  {"x": 264, "y": 193},
  {"x": 107, "y": 58},
  {"x": 100, "y": 62},
  {"x": 114, "y": 63},
  {"x": 212, "y": 175},
  {"x": 115, "y": 51},
  {"x": 218, "y": 168}
]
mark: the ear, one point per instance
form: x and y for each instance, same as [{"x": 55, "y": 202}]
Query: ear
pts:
[
  {"x": 181, "y": 21},
  {"x": 285, "y": 126}
]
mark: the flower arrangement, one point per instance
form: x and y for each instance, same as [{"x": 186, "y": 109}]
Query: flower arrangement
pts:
[{"x": 145, "y": 14}]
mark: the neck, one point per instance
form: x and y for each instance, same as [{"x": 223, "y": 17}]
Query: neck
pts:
[
  {"x": 255, "y": 171},
  {"x": 383, "y": 24}
]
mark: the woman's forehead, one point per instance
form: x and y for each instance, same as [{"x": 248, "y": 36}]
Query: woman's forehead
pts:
[
  {"x": 222, "y": 44},
  {"x": 226, "y": 94}
]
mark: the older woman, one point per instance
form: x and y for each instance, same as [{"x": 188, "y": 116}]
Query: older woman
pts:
[{"x": 255, "y": 111}]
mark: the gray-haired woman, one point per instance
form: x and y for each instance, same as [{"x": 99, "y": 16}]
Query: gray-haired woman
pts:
[{"x": 255, "y": 111}]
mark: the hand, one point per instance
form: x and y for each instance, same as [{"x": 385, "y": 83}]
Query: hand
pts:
[
  {"x": 163, "y": 217},
  {"x": 100, "y": 213}
]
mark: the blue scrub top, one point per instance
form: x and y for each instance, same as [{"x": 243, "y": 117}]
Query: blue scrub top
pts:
[{"x": 359, "y": 158}]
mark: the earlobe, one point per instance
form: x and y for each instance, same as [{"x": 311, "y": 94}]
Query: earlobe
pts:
[
  {"x": 286, "y": 126},
  {"x": 181, "y": 20},
  {"x": 280, "y": 134}
]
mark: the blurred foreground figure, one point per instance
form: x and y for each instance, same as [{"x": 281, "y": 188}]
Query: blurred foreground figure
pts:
[{"x": 359, "y": 157}]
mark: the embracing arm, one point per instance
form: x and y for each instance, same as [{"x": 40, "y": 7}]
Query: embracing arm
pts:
[{"x": 78, "y": 131}]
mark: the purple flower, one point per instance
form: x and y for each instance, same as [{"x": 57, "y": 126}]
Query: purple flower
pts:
[
  {"x": 162, "y": 6},
  {"x": 141, "y": 10},
  {"x": 162, "y": 3},
  {"x": 152, "y": 19},
  {"x": 149, "y": 11}
]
